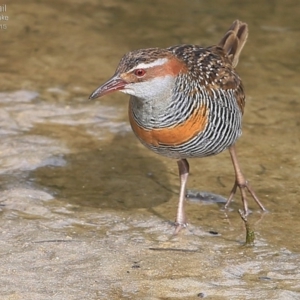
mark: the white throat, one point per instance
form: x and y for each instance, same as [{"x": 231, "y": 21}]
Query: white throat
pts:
[{"x": 151, "y": 90}]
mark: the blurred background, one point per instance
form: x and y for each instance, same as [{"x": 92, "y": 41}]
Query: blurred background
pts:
[
  {"x": 65, "y": 158},
  {"x": 57, "y": 53}
]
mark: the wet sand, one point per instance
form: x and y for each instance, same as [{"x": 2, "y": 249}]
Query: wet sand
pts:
[{"x": 86, "y": 211}]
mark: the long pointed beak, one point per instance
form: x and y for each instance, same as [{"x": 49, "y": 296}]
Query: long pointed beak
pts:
[{"x": 113, "y": 84}]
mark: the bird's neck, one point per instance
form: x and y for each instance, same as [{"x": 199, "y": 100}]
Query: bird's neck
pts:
[
  {"x": 150, "y": 106},
  {"x": 165, "y": 110},
  {"x": 149, "y": 113}
]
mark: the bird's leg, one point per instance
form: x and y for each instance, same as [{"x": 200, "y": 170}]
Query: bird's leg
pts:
[
  {"x": 183, "y": 167},
  {"x": 242, "y": 183}
]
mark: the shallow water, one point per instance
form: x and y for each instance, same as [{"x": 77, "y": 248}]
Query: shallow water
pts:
[{"x": 86, "y": 210}]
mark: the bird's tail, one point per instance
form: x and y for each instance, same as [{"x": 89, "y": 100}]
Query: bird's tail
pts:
[{"x": 234, "y": 40}]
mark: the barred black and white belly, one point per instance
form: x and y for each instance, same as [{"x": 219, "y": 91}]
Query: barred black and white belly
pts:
[{"x": 204, "y": 127}]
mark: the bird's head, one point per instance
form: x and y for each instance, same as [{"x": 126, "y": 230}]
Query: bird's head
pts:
[{"x": 145, "y": 74}]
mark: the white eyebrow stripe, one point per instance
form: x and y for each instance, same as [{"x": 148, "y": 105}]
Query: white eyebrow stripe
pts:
[{"x": 155, "y": 63}]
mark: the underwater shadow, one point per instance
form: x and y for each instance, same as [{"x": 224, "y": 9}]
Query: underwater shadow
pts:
[{"x": 117, "y": 174}]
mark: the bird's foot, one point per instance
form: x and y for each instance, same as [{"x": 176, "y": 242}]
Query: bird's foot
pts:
[
  {"x": 244, "y": 186},
  {"x": 179, "y": 226}
]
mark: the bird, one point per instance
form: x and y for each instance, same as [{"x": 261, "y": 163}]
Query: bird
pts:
[{"x": 187, "y": 101}]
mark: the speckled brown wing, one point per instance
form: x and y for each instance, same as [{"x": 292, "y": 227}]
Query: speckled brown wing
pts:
[
  {"x": 226, "y": 77},
  {"x": 212, "y": 69}
]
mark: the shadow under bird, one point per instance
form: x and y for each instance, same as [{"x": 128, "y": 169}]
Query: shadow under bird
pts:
[{"x": 186, "y": 101}]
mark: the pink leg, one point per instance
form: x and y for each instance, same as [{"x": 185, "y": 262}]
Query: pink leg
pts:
[
  {"x": 241, "y": 182},
  {"x": 183, "y": 167}
]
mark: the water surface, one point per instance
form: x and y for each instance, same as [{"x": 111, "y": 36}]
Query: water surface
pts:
[{"x": 86, "y": 210}]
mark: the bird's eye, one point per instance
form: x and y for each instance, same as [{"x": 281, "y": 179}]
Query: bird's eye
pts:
[{"x": 139, "y": 72}]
